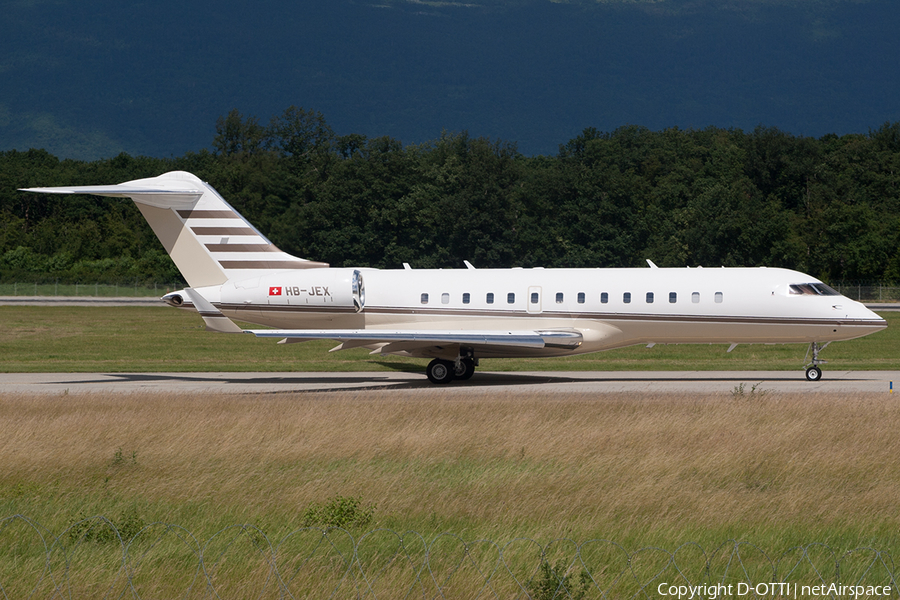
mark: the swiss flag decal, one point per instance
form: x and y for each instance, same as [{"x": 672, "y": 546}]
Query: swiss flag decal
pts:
[{"x": 274, "y": 291}]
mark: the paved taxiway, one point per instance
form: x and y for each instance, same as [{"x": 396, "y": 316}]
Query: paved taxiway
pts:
[{"x": 595, "y": 382}]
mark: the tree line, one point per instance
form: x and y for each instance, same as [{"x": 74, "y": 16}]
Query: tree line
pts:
[{"x": 827, "y": 206}]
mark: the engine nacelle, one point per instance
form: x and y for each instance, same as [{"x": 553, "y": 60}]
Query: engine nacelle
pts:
[
  {"x": 333, "y": 288},
  {"x": 175, "y": 299}
]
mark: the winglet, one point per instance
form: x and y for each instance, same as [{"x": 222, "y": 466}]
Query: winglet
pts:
[{"x": 214, "y": 319}]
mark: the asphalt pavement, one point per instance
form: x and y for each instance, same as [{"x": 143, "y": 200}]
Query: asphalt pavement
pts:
[{"x": 544, "y": 382}]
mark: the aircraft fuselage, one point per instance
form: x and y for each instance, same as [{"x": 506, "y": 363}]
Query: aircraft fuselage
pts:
[{"x": 612, "y": 308}]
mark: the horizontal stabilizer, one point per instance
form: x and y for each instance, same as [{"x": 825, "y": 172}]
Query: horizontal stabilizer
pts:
[
  {"x": 208, "y": 240},
  {"x": 161, "y": 198},
  {"x": 518, "y": 339}
]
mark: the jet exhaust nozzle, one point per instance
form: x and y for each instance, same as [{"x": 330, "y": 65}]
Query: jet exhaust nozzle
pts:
[{"x": 174, "y": 299}]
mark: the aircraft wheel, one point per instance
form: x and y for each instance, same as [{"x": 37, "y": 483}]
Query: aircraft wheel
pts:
[
  {"x": 466, "y": 369},
  {"x": 813, "y": 373},
  {"x": 439, "y": 371}
]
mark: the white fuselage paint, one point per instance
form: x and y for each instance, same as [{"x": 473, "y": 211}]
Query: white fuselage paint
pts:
[{"x": 725, "y": 305}]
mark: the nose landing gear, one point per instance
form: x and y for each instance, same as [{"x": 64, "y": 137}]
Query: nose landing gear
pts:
[{"x": 813, "y": 372}]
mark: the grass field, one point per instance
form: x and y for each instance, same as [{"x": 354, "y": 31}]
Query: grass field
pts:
[
  {"x": 117, "y": 339},
  {"x": 775, "y": 470}
]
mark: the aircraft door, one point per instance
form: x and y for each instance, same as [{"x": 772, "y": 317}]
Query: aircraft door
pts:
[
  {"x": 533, "y": 301},
  {"x": 359, "y": 291}
]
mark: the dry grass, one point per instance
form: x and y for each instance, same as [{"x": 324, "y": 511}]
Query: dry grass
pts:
[
  {"x": 777, "y": 470},
  {"x": 636, "y": 469}
]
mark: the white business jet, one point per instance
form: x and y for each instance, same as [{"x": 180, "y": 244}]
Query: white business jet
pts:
[{"x": 458, "y": 316}]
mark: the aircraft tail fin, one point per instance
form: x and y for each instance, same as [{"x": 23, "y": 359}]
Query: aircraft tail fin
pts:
[{"x": 207, "y": 239}]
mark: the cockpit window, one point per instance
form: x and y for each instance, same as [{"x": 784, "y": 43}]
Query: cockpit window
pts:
[
  {"x": 812, "y": 289},
  {"x": 825, "y": 290}
]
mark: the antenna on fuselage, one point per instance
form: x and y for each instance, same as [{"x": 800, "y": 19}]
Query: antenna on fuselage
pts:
[{"x": 650, "y": 262}]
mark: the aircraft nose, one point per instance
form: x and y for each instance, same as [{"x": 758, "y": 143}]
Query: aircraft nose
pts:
[{"x": 859, "y": 312}]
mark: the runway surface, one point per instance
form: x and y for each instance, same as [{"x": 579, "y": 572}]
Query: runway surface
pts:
[{"x": 596, "y": 382}]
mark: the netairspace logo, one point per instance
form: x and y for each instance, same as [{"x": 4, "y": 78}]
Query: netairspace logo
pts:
[{"x": 775, "y": 589}]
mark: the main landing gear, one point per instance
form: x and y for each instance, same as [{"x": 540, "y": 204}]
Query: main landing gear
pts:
[
  {"x": 813, "y": 372},
  {"x": 445, "y": 371}
]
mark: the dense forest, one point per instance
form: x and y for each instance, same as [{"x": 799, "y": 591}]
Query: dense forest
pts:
[{"x": 828, "y": 206}]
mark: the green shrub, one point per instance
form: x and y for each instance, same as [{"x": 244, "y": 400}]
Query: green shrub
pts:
[
  {"x": 94, "y": 530},
  {"x": 552, "y": 583},
  {"x": 340, "y": 511}
]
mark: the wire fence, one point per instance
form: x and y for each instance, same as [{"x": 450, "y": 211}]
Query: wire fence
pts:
[
  {"x": 92, "y": 558},
  {"x": 131, "y": 289},
  {"x": 868, "y": 291}
]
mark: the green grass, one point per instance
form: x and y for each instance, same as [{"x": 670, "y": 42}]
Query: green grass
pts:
[{"x": 146, "y": 339}]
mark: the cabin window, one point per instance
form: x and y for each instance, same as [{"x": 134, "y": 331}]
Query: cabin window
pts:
[
  {"x": 604, "y": 298},
  {"x": 511, "y": 298},
  {"x": 466, "y": 297},
  {"x": 424, "y": 298},
  {"x": 695, "y": 297},
  {"x": 445, "y": 298},
  {"x": 649, "y": 297},
  {"x": 534, "y": 297},
  {"x": 719, "y": 298},
  {"x": 559, "y": 297},
  {"x": 673, "y": 297},
  {"x": 490, "y": 298},
  {"x": 626, "y": 297},
  {"x": 580, "y": 297}
]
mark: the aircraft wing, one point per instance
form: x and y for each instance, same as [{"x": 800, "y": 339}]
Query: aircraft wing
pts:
[
  {"x": 556, "y": 338},
  {"x": 413, "y": 338}
]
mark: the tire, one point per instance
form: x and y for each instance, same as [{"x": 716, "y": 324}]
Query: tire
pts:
[
  {"x": 813, "y": 373},
  {"x": 466, "y": 369},
  {"x": 439, "y": 371}
]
